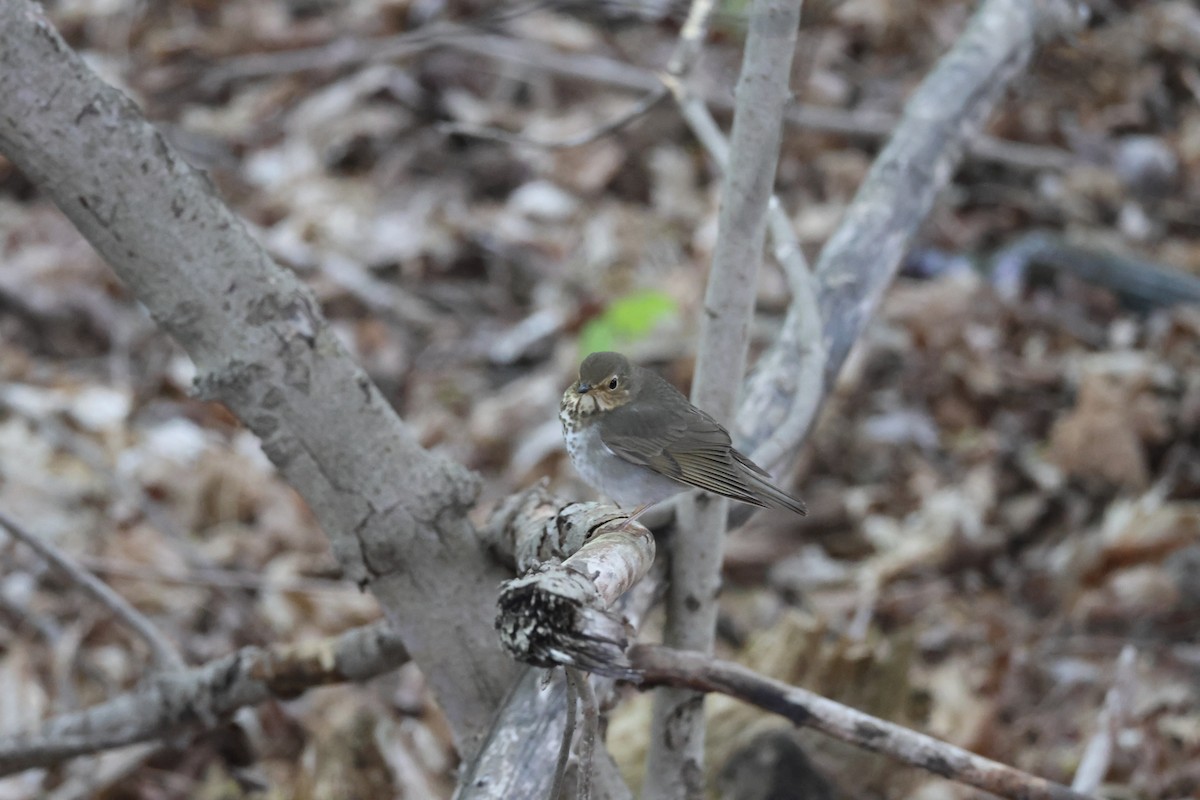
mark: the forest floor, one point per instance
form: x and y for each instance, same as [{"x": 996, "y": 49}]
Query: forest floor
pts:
[{"x": 1004, "y": 491}]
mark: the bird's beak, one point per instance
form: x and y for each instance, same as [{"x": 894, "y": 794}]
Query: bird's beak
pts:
[{"x": 583, "y": 388}]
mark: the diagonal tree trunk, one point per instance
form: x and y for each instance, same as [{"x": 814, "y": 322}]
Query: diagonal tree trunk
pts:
[{"x": 395, "y": 514}]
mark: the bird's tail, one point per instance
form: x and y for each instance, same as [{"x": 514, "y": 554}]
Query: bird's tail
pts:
[{"x": 767, "y": 493}]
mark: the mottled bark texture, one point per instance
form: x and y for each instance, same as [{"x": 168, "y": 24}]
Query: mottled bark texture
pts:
[{"x": 395, "y": 514}]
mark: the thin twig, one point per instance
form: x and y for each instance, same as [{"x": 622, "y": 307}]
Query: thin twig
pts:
[
  {"x": 661, "y": 666},
  {"x": 804, "y": 345},
  {"x": 805, "y": 375},
  {"x": 691, "y": 38},
  {"x": 588, "y": 136},
  {"x": 166, "y": 656},
  {"x": 559, "y": 792},
  {"x": 863, "y": 124},
  {"x": 176, "y": 702},
  {"x": 214, "y": 577},
  {"x": 587, "y": 736},
  {"x": 354, "y": 50},
  {"x": 787, "y": 246},
  {"x": 1097, "y": 756},
  {"x": 859, "y": 123},
  {"x": 704, "y": 127}
]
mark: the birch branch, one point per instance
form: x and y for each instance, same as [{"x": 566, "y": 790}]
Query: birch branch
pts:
[
  {"x": 202, "y": 696},
  {"x": 675, "y": 760},
  {"x": 661, "y": 666},
  {"x": 558, "y": 612},
  {"x": 395, "y": 514},
  {"x": 163, "y": 650}
]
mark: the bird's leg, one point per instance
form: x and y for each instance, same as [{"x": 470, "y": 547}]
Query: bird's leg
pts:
[{"x": 637, "y": 512}]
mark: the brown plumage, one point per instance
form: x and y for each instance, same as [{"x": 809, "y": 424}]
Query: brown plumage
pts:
[{"x": 635, "y": 437}]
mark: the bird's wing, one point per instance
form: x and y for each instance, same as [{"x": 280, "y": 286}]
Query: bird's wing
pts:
[{"x": 690, "y": 447}]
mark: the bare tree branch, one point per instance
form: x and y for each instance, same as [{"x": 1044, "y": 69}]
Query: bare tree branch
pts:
[
  {"x": 558, "y": 788},
  {"x": 859, "y": 124},
  {"x": 691, "y": 38},
  {"x": 587, "y": 736},
  {"x": 683, "y": 58},
  {"x": 676, "y": 757},
  {"x": 353, "y": 50},
  {"x": 395, "y": 514},
  {"x": 213, "y": 577},
  {"x": 1118, "y": 702},
  {"x": 202, "y": 696},
  {"x": 859, "y": 261},
  {"x": 163, "y": 650},
  {"x": 661, "y": 666},
  {"x": 809, "y": 349},
  {"x": 341, "y": 53},
  {"x": 588, "y": 136}
]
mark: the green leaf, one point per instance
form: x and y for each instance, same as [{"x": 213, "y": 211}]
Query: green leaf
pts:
[
  {"x": 635, "y": 315},
  {"x": 627, "y": 320}
]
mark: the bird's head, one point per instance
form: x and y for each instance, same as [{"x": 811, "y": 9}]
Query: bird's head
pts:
[{"x": 605, "y": 382}]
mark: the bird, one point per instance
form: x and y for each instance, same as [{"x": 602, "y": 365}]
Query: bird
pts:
[{"x": 636, "y": 438}]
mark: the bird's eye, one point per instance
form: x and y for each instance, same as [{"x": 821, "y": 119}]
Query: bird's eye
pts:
[{"x": 612, "y": 384}]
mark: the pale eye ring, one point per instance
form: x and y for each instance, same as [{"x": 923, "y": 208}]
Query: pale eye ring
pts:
[{"x": 612, "y": 384}]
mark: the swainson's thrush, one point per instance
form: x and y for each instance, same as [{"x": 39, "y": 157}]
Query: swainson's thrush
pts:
[{"x": 637, "y": 439}]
